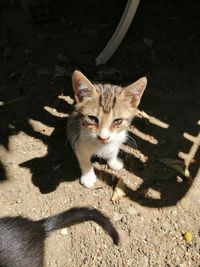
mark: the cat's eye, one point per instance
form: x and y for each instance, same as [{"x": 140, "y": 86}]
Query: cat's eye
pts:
[
  {"x": 117, "y": 121},
  {"x": 93, "y": 119}
]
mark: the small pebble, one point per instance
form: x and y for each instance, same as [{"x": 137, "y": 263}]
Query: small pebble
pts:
[
  {"x": 117, "y": 217},
  {"x": 174, "y": 213},
  {"x": 64, "y": 231},
  {"x": 187, "y": 236},
  {"x": 132, "y": 211}
]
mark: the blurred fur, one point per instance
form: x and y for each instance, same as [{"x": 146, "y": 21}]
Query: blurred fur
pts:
[{"x": 22, "y": 240}]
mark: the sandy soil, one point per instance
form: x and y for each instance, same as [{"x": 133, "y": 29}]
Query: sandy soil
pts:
[{"x": 38, "y": 170}]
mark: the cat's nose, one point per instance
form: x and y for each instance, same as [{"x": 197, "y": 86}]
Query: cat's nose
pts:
[
  {"x": 104, "y": 135},
  {"x": 102, "y": 138}
]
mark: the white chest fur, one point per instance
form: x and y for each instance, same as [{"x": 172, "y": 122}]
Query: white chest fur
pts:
[{"x": 87, "y": 147}]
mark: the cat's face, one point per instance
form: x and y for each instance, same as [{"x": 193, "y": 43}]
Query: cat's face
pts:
[{"x": 106, "y": 110}]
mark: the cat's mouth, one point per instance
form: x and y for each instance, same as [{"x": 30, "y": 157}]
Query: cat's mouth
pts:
[{"x": 104, "y": 141}]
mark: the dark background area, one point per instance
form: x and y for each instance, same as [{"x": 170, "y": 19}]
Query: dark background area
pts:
[{"x": 37, "y": 60}]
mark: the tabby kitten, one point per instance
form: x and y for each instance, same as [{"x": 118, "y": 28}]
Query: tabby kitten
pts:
[{"x": 98, "y": 125}]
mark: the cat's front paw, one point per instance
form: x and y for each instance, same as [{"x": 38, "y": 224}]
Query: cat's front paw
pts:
[
  {"x": 116, "y": 164},
  {"x": 89, "y": 179}
]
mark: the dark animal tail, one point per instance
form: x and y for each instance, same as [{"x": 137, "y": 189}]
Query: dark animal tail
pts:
[{"x": 79, "y": 215}]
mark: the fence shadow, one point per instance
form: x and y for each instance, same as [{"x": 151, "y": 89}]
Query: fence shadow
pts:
[
  {"x": 36, "y": 64},
  {"x": 153, "y": 181}
]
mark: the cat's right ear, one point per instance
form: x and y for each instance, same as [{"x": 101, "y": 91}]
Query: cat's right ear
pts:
[{"x": 83, "y": 88}]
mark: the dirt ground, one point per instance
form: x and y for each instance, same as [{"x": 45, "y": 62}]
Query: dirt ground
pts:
[{"x": 38, "y": 170}]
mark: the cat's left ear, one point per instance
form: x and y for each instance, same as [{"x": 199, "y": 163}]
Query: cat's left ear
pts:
[
  {"x": 83, "y": 88},
  {"x": 134, "y": 92}
]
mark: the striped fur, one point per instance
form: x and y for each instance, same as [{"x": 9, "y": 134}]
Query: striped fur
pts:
[{"x": 99, "y": 123}]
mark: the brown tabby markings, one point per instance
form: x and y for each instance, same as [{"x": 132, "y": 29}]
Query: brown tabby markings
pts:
[
  {"x": 108, "y": 96},
  {"x": 98, "y": 126}
]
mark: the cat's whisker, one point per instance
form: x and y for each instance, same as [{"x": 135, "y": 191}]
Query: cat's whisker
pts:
[
  {"x": 132, "y": 144},
  {"x": 66, "y": 142},
  {"x": 73, "y": 138},
  {"x": 131, "y": 141}
]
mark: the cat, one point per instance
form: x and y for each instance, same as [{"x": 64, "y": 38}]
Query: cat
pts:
[
  {"x": 22, "y": 240},
  {"x": 98, "y": 125}
]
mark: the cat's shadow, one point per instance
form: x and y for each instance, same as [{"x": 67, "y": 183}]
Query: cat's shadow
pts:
[{"x": 58, "y": 165}]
